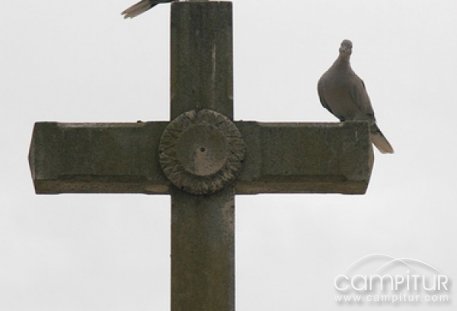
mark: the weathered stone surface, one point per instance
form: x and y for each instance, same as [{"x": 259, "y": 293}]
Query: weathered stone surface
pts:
[
  {"x": 201, "y": 57},
  {"x": 201, "y": 152},
  {"x": 202, "y": 251},
  {"x": 202, "y": 230},
  {"x": 305, "y": 158},
  {"x": 97, "y": 158},
  {"x": 296, "y": 157}
]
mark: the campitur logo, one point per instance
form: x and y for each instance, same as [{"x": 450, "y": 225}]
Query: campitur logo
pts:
[{"x": 382, "y": 279}]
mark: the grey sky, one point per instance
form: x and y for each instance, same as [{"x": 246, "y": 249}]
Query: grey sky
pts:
[{"x": 80, "y": 61}]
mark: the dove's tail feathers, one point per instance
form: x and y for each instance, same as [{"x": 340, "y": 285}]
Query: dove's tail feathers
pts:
[
  {"x": 138, "y": 8},
  {"x": 380, "y": 141}
]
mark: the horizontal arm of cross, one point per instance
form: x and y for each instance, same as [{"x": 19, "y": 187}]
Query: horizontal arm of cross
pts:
[{"x": 123, "y": 158}]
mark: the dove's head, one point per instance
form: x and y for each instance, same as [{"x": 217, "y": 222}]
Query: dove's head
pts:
[{"x": 346, "y": 47}]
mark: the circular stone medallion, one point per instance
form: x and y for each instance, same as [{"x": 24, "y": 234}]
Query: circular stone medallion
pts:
[{"x": 201, "y": 152}]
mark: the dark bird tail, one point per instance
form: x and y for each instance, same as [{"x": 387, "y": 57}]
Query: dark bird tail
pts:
[
  {"x": 139, "y": 8},
  {"x": 380, "y": 141}
]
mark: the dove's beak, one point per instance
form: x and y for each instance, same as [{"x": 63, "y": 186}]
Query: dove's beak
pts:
[{"x": 345, "y": 50}]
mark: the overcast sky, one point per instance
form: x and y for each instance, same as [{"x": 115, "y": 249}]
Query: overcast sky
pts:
[{"x": 79, "y": 61}]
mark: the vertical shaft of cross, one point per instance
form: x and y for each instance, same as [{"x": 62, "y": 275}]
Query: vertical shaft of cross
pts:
[
  {"x": 202, "y": 252},
  {"x": 201, "y": 57},
  {"x": 202, "y": 229}
]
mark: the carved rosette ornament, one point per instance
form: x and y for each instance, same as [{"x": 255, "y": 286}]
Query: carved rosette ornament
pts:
[{"x": 201, "y": 151}]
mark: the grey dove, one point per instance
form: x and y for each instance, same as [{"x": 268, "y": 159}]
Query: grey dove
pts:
[
  {"x": 343, "y": 93},
  {"x": 142, "y": 7}
]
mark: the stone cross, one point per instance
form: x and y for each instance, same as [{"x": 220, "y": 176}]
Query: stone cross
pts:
[{"x": 201, "y": 157}]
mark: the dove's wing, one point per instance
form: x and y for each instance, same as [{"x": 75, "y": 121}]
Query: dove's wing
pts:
[{"x": 360, "y": 98}]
